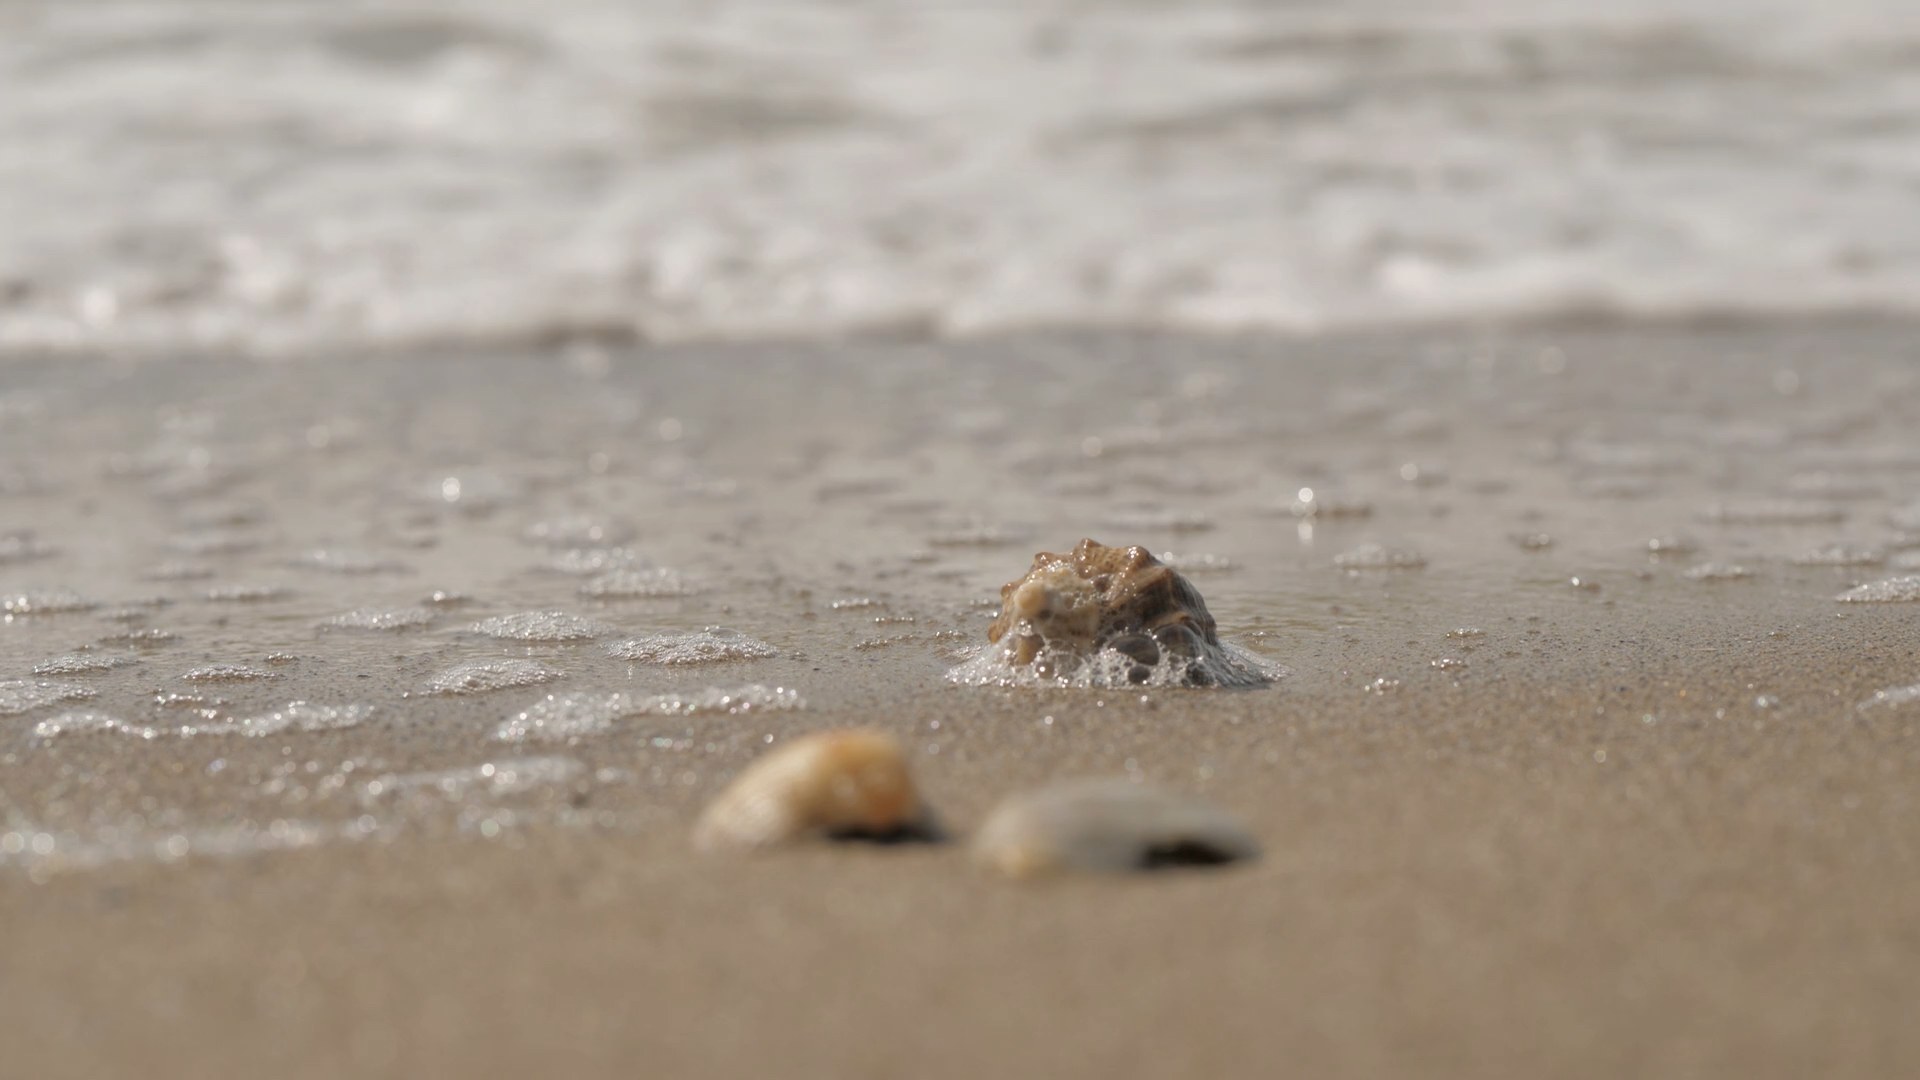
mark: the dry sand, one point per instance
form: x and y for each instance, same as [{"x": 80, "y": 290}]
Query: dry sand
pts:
[{"x": 1642, "y": 830}]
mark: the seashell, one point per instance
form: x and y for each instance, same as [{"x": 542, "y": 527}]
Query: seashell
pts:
[
  {"x": 1101, "y": 597},
  {"x": 844, "y": 785},
  {"x": 1108, "y": 826}
]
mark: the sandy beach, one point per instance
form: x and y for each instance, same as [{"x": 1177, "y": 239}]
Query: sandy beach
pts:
[
  {"x": 1600, "y": 786},
  {"x": 445, "y": 447}
]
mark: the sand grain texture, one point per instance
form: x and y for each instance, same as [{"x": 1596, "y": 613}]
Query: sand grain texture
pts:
[{"x": 1545, "y": 811}]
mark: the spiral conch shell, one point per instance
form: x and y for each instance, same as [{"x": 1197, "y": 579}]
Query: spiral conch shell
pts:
[
  {"x": 850, "y": 784},
  {"x": 1099, "y": 597}
]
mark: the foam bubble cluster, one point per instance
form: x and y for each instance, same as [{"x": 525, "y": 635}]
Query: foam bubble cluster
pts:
[
  {"x": 294, "y": 716},
  {"x": 482, "y": 676},
  {"x": 1894, "y": 697},
  {"x": 1839, "y": 555},
  {"x": 227, "y": 673},
  {"x": 1379, "y": 557},
  {"x": 44, "y": 602},
  {"x": 1891, "y": 590},
  {"x": 559, "y": 717},
  {"x": 25, "y": 695},
  {"x": 79, "y": 664},
  {"x": 248, "y": 594},
  {"x": 508, "y": 777},
  {"x": 575, "y": 531},
  {"x": 1226, "y": 664},
  {"x": 85, "y": 721},
  {"x": 539, "y": 626},
  {"x": 715, "y": 644},
  {"x": 736, "y": 701},
  {"x": 636, "y": 582},
  {"x": 375, "y": 619},
  {"x": 583, "y": 561}
]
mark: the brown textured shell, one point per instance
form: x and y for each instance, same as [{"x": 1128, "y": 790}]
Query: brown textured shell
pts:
[
  {"x": 1132, "y": 591},
  {"x": 853, "y": 783}
]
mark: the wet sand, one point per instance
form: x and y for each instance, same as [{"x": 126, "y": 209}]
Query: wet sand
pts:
[{"x": 1636, "y": 825}]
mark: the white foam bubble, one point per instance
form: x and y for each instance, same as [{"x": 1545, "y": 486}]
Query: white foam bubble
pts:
[
  {"x": 539, "y": 626},
  {"x": 1717, "y": 571},
  {"x": 1320, "y": 503},
  {"x": 150, "y": 637},
  {"x": 1890, "y": 590},
  {"x": 377, "y": 619},
  {"x": 585, "y": 561},
  {"x": 80, "y": 664},
  {"x": 180, "y": 571},
  {"x": 637, "y": 583},
  {"x": 299, "y": 716},
  {"x": 82, "y": 722},
  {"x": 509, "y": 776},
  {"x": 1225, "y": 665},
  {"x": 1157, "y": 519},
  {"x": 25, "y": 695},
  {"x": 484, "y": 676},
  {"x": 248, "y": 594},
  {"x": 973, "y": 532},
  {"x": 227, "y": 673},
  {"x": 74, "y": 851},
  {"x": 560, "y": 717},
  {"x": 1379, "y": 557},
  {"x": 302, "y": 716},
  {"x": 471, "y": 491},
  {"x": 715, "y": 644},
  {"x": 577, "y": 531},
  {"x": 1196, "y": 562},
  {"x": 729, "y": 700},
  {"x": 1839, "y": 555},
  {"x": 1895, "y": 697},
  {"x": 44, "y": 602}
]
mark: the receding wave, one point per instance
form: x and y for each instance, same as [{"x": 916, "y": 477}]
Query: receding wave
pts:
[{"x": 494, "y": 172}]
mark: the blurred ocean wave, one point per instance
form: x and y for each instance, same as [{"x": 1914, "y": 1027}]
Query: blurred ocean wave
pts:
[{"x": 308, "y": 176}]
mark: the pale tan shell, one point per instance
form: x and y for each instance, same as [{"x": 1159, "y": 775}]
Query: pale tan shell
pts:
[
  {"x": 1108, "y": 826},
  {"x": 833, "y": 783},
  {"x": 1082, "y": 600}
]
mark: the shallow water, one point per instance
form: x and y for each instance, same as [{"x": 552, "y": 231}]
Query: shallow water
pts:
[
  {"x": 1538, "y": 796},
  {"x": 412, "y": 554},
  {"x": 304, "y": 175}
]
